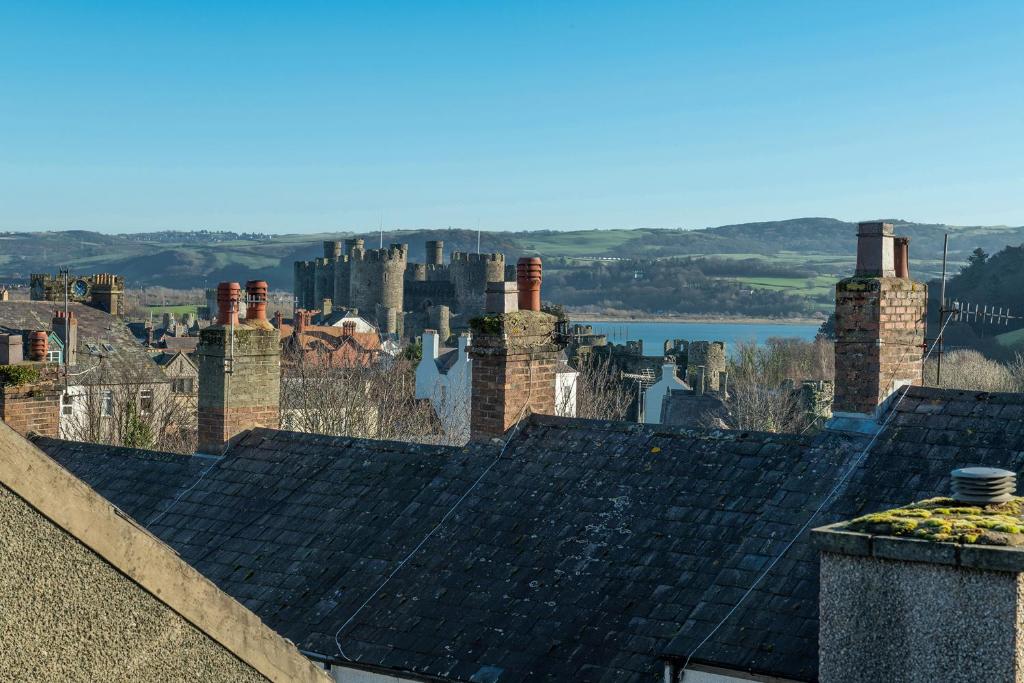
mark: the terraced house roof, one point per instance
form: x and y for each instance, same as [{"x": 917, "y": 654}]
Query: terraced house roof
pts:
[{"x": 588, "y": 551}]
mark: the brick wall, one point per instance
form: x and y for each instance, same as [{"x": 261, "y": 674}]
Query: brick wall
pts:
[
  {"x": 880, "y": 326},
  {"x": 239, "y": 384},
  {"x": 32, "y": 408},
  {"x": 514, "y": 365}
]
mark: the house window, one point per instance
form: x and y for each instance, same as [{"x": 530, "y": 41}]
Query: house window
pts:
[
  {"x": 106, "y": 403},
  {"x": 67, "y": 404},
  {"x": 53, "y": 356},
  {"x": 181, "y": 385},
  {"x": 146, "y": 400}
]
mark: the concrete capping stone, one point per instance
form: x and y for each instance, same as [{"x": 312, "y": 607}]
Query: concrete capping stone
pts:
[
  {"x": 833, "y": 538},
  {"x": 914, "y": 550}
]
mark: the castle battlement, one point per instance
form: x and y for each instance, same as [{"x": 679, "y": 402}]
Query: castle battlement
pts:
[{"x": 473, "y": 257}]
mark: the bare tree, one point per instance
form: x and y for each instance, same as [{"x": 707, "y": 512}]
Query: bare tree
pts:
[
  {"x": 122, "y": 407},
  {"x": 601, "y": 393},
  {"x": 968, "y": 369},
  {"x": 762, "y": 384},
  {"x": 375, "y": 401}
]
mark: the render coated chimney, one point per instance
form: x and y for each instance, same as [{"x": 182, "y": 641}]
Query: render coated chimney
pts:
[
  {"x": 905, "y": 600},
  {"x": 880, "y": 326},
  {"x": 38, "y": 346},
  {"x": 431, "y": 347},
  {"x": 326, "y": 308},
  {"x": 529, "y": 272},
  {"x": 239, "y": 370},
  {"x": 66, "y": 329}
]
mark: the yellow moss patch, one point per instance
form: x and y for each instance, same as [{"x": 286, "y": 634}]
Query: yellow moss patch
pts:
[{"x": 945, "y": 520}]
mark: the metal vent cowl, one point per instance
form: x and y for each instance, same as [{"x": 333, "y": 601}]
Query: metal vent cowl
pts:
[{"x": 983, "y": 485}]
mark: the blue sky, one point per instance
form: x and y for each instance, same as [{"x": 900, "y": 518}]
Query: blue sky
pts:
[{"x": 303, "y": 116}]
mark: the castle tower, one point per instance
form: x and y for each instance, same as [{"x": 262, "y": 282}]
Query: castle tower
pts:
[
  {"x": 880, "y": 326},
  {"x": 710, "y": 356},
  {"x": 239, "y": 369},
  {"x": 107, "y": 293},
  {"x": 469, "y": 275},
  {"x": 435, "y": 253},
  {"x": 332, "y": 249},
  {"x": 376, "y": 282}
]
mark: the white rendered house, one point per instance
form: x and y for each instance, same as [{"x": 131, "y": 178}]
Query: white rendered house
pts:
[{"x": 657, "y": 391}]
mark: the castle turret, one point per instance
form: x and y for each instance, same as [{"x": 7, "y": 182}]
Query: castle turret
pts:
[
  {"x": 435, "y": 252},
  {"x": 376, "y": 282},
  {"x": 470, "y": 273}
]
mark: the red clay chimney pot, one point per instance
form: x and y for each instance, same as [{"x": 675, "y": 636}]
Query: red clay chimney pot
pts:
[
  {"x": 902, "y": 257},
  {"x": 529, "y": 272},
  {"x": 227, "y": 303},
  {"x": 38, "y": 345},
  {"x": 256, "y": 300}
]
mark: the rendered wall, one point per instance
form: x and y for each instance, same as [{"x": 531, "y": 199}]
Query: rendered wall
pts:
[
  {"x": 887, "y": 620},
  {"x": 67, "y": 615}
]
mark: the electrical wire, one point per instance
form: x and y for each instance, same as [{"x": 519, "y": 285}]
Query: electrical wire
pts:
[
  {"x": 437, "y": 527},
  {"x": 181, "y": 495},
  {"x": 821, "y": 506}
]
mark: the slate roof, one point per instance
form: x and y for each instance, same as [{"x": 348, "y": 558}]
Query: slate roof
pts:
[
  {"x": 446, "y": 358},
  {"x": 107, "y": 350},
  {"x": 588, "y": 551}
]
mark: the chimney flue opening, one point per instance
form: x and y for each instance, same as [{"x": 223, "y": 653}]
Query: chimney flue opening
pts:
[{"x": 529, "y": 274}]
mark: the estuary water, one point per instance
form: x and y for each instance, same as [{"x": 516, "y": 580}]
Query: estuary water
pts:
[{"x": 654, "y": 334}]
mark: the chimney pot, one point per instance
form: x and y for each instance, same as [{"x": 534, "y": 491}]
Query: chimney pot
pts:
[
  {"x": 256, "y": 300},
  {"x": 901, "y": 257},
  {"x": 529, "y": 271},
  {"x": 38, "y": 345},
  {"x": 278, "y": 319},
  {"x": 227, "y": 303},
  {"x": 875, "y": 249}
]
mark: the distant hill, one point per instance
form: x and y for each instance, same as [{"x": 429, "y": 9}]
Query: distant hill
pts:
[{"x": 193, "y": 259}]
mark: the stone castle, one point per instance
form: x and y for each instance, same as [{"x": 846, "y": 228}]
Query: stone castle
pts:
[
  {"x": 402, "y": 298},
  {"x": 101, "y": 290}
]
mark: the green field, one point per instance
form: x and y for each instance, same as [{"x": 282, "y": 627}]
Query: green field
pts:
[
  {"x": 1011, "y": 339},
  {"x": 177, "y": 311}
]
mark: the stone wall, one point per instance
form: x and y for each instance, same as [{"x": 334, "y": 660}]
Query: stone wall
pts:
[
  {"x": 469, "y": 275},
  {"x": 68, "y": 615},
  {"x": 239, "y": 384},
  {"x": 880, "y": 326}
]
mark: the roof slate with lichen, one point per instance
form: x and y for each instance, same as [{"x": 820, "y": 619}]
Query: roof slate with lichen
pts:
[
  {"x": 108, "y": 353},
  {"x": 588, "y": 551}
]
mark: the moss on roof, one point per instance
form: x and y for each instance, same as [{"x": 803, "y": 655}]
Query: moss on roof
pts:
[{"x": 946, "y": 520}]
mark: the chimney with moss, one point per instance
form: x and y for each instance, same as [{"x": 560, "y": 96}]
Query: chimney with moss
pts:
[
  {"x": 880, "y": 325},
  {"x": 514, "y": 357},
  {"x": 930, "y": 591},
  {"x": 239, "y": 368}
]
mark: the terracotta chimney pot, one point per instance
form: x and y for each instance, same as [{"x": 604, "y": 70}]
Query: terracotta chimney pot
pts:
[
  {"x": 902, "y": 257},
  {"x": 227, "y": 303},
  {"x": 528, "y": 277},
  {"x": 38, "y": 345},
  {"x": 256, "y": 300}
]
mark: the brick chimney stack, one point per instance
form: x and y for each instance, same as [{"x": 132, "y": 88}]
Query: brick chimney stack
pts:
[
  {"x": 515, "y": 356},
  {"x": 66, "y": 329},
  {"x": 239, "y": 369},
  {"x": 880, "y": 326},
  {"x": 348, "y": 328}
]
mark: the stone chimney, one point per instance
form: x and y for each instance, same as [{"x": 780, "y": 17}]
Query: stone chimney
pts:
[
  {"x": 515, "y": 356},
  {"x": 932, "y": 591},
  {"x": 11, "y": 352},
  {"x": 278, "y": 320},
  {"x": 880, "y": 326},
  {"x": 239, "y": 369},
  {"x": 501, "y": 297},
  {"x": 301, "y": 321},
  {"x": 66, "y": 329},
  {"x": 326, "y": 308}
]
